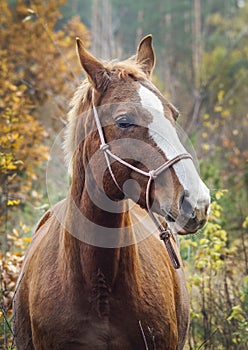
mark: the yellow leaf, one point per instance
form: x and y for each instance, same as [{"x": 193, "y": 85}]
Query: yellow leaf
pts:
[
  {"x": 16, "y": 232},
  {"x": 207, "y": 124},
  {"x": 11, "y": 166},
  {"x": 203, "y": 241},
  {"x": 217, "y": 247},
  {"x": 220, "y": 95},
  {"x": 220, "y": 194},
  {"x": 245, "y": 223},
  {"x": 196, "y": 280},
  {"x": 13, "y": 202},
  {"x": 218, "y": 108},
  {"x": 217, "y": 213},
  {"x": 11, "y": 237},
  {"x": 27, "y": 239},
  {"x": 225, "y": 113},
  {"x": 19, "y": 254}
]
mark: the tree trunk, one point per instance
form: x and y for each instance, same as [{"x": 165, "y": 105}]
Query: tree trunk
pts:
[
  {"x": 197, "y": 46},
  {"x": 101, "y": 28}
]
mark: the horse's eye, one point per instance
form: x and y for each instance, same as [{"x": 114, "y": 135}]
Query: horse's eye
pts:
[{"x": 124, "y": 122}]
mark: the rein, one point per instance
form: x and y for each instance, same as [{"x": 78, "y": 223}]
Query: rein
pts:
[{"x": 164, "y": 234}]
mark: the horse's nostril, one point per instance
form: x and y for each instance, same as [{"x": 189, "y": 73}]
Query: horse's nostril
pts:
[
  {"x": 202, "y": 223},
  {"x": 185, "y": 206},
  {"x": 207, "y": 209}
]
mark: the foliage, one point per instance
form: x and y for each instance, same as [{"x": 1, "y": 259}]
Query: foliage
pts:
[
  {"x": 34, "y": 65},
  {"x": 224, "y": 120},
  {"x": 217, "y": 280},
  {"x": 10, "y": 268},
  {"x": 22, "y": 142},
  {"x": 37, "y": 64}
]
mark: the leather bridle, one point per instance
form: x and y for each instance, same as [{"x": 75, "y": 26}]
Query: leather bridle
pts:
[{"x": 165, "y": 234}]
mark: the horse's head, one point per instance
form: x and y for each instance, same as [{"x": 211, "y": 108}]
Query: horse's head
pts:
[{"x": 139, "y": 125}]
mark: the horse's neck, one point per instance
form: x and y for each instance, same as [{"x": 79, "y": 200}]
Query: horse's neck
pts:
[{"x": 111, "y": 262}]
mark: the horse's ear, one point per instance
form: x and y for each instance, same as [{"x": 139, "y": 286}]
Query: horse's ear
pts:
[
  {"x": 96, "y": 72},
  {"x": 145, "y": 55}
]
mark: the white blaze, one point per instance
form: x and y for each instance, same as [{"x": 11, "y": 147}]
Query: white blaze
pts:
[{"x": 165, "y": 136}]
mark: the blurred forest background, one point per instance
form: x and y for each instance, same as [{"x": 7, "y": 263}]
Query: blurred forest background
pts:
[{"x": 202, "y": 66}]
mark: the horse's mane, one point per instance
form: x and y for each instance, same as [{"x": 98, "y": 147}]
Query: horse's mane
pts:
[{"x": 81, "y": 102}]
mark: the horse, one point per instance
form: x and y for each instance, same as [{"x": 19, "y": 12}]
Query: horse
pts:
[{"x": 86, "y": 281}]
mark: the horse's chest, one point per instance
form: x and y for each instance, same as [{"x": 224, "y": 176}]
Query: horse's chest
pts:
[
  {"x": 100, "y": 318},
  {"x": 114, "y": 324}
]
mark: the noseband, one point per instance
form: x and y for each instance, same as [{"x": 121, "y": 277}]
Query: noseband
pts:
[{"x": 152, "y": 174}]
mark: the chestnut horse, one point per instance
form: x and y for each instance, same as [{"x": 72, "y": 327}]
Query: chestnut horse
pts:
[{"x": 86, "y": 282}]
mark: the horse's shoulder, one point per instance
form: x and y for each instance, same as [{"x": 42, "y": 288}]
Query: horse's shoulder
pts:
[
  {"x": 47, "y": 228},
  {"x": 43, "y": 220},
  {"x": 46, "y": 220}
]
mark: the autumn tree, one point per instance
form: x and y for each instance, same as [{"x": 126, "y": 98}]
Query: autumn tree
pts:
[{"x": 38, "y": 66}]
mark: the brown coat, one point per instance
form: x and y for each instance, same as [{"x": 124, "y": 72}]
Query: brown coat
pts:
[
  {"x": 75, "y": 294},
  {"x": 98, "y": 298}
]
